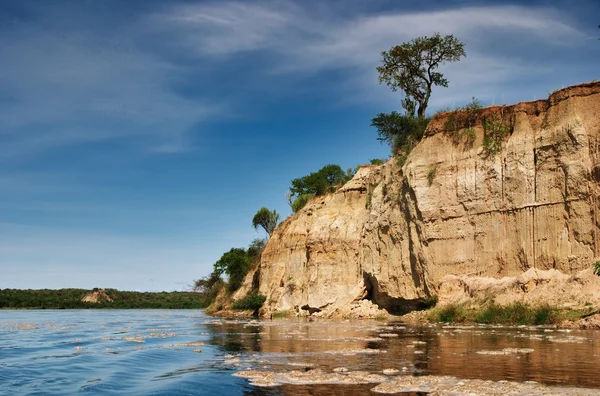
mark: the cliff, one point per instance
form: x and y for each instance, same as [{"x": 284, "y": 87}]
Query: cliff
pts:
[{"x": 487, "y": 193}]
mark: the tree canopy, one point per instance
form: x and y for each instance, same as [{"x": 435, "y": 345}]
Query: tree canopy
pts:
[
  {"x": 399, "y": 130},
  {"x": 321, "y": 182},
  {"x": 411, "y": 66},
  {"x": 235, "y": 263},
  {"x": 324, "y": 181},
  {"x": 266, "y": 219}
]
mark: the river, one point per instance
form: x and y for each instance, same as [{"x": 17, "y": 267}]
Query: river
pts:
[{"x": 185, "y": 352}]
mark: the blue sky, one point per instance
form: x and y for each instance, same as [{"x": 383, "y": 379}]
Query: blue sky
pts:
[{"x": 139, "y": 138}]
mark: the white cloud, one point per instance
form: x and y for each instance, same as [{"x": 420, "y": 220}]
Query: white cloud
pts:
[
  {"x": 70, "y": 88},
  {"x": 76, "y": 85},
  {"x": 301, "y": 43}
]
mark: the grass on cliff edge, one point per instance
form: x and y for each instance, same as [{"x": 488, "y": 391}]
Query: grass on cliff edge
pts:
[{"x": 492, "y": 313}]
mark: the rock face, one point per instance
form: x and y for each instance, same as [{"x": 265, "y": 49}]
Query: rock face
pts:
[
  {"x": 490, "y": 193},
  {"x": 96, "y": 297}
]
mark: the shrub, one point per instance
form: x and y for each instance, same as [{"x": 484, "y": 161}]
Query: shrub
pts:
[
  {"x": 266, "y": 219},
  {"x": 517, "y": 313},
  {"x": 301, "y": 202},
  {"x": 597, "y": 268},
  {"x": 496, "y": 129},
  {"x": 252, "y": 301},
  {"x": 448, "y": 313},
  {"x": 377, "y": 161},
  {"x": 431, "y": 173}
]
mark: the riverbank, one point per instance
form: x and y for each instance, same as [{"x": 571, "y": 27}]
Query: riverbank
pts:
[{"x": 98, "y": 299}]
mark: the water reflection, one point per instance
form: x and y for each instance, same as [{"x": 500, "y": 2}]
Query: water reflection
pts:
[
  {"x": 472, "y": 352},
  {"x": 186, "y": 352}
]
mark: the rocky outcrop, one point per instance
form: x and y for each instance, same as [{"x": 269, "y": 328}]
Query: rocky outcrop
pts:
[
  {"x": 96, "y": 297},
  {"x": 489, "y": 193}
]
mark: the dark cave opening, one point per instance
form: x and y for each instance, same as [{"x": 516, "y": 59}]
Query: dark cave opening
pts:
[{"x": 394, "y": 305}]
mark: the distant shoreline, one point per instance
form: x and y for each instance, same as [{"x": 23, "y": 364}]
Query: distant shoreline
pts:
[{"x": 58, "y": 299}]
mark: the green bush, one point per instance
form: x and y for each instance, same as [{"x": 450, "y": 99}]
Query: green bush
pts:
[
  {"x": 496, "y": 128},
  {"x": 377, "y": 161},
  {"x": 597, "y": 268},
  {"x": 517, "y": 313},
  {"x": 325, "y": 180},
  {"x": 431, "y": 174},
  {"x": 301, "y": 202},
  {"x": 448, "y": 313},
  {"x": 252, "y": 301},
  {"x": 401, "y": 132}
]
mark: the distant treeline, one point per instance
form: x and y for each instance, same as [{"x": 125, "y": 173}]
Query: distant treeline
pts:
[{"x": 71, "y": 299}]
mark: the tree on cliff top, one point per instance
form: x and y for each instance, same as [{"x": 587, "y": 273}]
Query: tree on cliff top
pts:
[
  {"x": 411, "y": 66},
  {"x": 266, "y": 219},
  {"x": 325, "y": 180}
]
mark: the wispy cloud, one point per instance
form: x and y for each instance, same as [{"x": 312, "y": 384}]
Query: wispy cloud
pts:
[
  {"x": 69, "y": 87},
  {"x": 302, "y": 43},
  {"x": 78, "y": 85}
]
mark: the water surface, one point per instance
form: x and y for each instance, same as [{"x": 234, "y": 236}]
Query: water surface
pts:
[{"x": 185, "y": 352}]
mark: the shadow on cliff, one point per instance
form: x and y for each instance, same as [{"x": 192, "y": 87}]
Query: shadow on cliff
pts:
[{"x": 394, "y": 305}]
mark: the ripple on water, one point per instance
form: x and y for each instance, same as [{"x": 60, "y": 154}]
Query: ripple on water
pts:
[{"x": 185, "y": 352}]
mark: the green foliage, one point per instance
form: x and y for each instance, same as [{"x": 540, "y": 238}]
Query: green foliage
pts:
[
  {"x": 596, "y": 266},
  {"x": 324, "y": 181},
  {"x": 370, "y": 190},
  {"x": 266, "y": 219},
  {"x": 429, "y": 302},
  {"x": 516, "y": 313},
  {"x": 448, "y": 314},
  {"x": 71, "y": 299},
  {"x": 255, "y": 249},
  {"x": 401, "y": 132},
  {"x": 209, "y": 286},
  {"x": 377, "y": 161},
  {"x": 252, "y": 301},
  {"x": 235, "y": 263},
  {"x": 411, "y": 66},
  {"x": 287, "y": 313},
  {"x": 301, "y": 201},
  {"x": 401, "y": 158},
  {"x": 496, "y": 128},
  {"x": 431, "y": 171},
  {"x": 464, "y": 118}
]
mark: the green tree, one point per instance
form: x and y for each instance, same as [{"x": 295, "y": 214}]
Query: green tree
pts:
[
  {"x": 411, "y": 67},
  {"x": 324, "y": 181},
  {"x": 207, "y": 284},
  {"x": 301, "y": 201},
  {"x": 235, "y": 263},
  {"x": 266, "y": 219},
  {"x": 255, "y": 249},
  {"x": 401, "y": 132}
]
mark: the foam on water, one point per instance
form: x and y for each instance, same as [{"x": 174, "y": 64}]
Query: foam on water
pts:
[{"x": 177, "y": 352}]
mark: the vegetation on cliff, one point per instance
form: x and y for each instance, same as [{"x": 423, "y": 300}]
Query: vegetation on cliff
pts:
[
  {"x": 267, "y": 219},
  {"x": 325, "y": 180},
  {"x": 229, "y": 273},
  {"x": 412, "y": 68},
  {"x": 516, "y": 313}
]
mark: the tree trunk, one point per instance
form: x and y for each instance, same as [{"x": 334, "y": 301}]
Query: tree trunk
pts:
[{"x": 421, "y": 110}]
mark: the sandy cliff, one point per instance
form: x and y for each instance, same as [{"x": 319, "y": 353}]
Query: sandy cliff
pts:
[{"x": 525, "y": 197}]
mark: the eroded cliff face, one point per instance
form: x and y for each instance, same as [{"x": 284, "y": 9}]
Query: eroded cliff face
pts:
[{"x": 527, "y": 196}]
